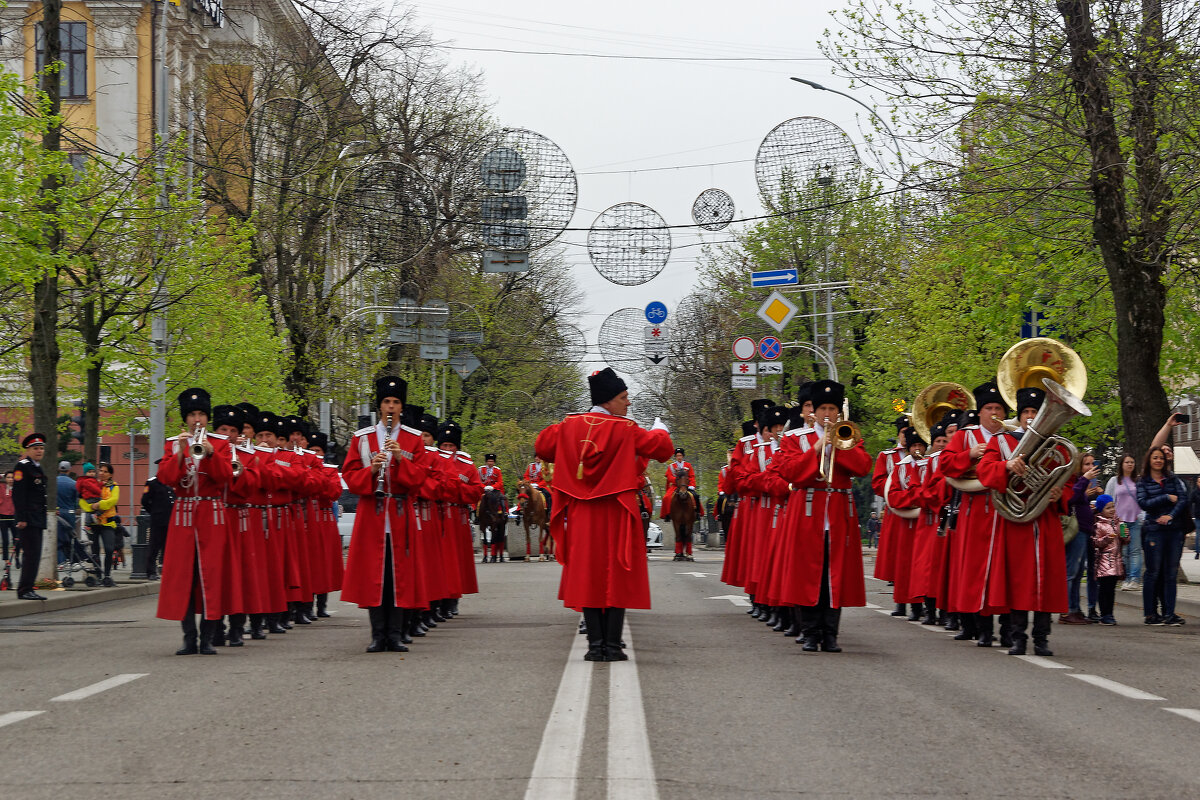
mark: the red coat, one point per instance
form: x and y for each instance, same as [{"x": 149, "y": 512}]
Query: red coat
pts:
[
  {"x": 929, "y": 551},
  {"x": 773, "y": 493},
  {"x": 1034, "y": 553},
  {"x": 246, "y": 526},
  {"x": 904, "y": 492},
  {"x": 733, "y": 572},
  {"x": 885, "y": 556},
  {"x": 812, "y": 506},
  {"x": 492, "y": 476},
  {"x": 538, "y": 474},
  {"x": 975, "y": 582},
  {"x": 440, "y": 578},
  {"x": 380, "y": 520},
  {"x": 327, "y": 538},
  {"x": 596, "y": 524},
  {"x": 293, "y": 523},
  {"x": 465, "y": 495},
  {"x": 669, "y": 488},
  {"x": 198, "y": 534}
]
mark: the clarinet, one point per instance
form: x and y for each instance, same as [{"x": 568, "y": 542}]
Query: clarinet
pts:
[{"x": 380, "y": 491}]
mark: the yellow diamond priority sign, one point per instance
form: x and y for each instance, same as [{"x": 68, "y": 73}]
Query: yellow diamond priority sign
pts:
[{"x": 777, "y": 311}]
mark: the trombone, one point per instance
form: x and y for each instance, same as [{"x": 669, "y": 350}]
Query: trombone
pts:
[{"x": 841, "y": 435}]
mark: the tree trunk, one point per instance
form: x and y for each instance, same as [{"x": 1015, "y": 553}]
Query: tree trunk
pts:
[
  {"x": 1137, "y": 286},
  {"x": 43, "y": 350}
]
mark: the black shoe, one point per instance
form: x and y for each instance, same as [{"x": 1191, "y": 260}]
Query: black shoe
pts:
[
  {"x": 829, "y": 644},
  {"x": 915, "y": 614},
  {"x": 275, "y": 627},
  {"x": 31, "y": 595},
  {"x": 1092, "y": 616},
  {"x": 984, "y": 641},
  {"x": 793, "y": 631},
  {"x": 1041, "y": 649},
  {"x": 395, "y": 645},
  {"x": 257, "y": 634},
  {"x": 962, "y": 636},
  {"x": 1006, "y": 641},
  {"x": 952, "y": 624},
  {"x": 1017, "y": 649},
  {"x": 206, "y": 648},
  {"x": 594, "y": 653},
  {"x": 1174, "y": 621},
  {"x": 614, "y": 653},
  {"x": 235, "y": 638},
  {"x": 378, "y": 645},
  {"x": 1154, "y": 619},
  {"x": 189, "y": 647},
  {"x": 809, "y": 644},
  {"x": 899, "y": 610}
]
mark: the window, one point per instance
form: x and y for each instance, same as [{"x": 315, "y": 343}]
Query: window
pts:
[{"x": 72, "y": 37}]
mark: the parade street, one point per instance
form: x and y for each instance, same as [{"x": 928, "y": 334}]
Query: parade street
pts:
[{"x": 711, "y": 705}]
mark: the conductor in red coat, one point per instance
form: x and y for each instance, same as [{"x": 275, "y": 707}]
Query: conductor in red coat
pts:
[{"x": 596, "y": 524}]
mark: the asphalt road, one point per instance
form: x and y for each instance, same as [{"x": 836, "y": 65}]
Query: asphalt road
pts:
[{"x": 498, "y": 704}]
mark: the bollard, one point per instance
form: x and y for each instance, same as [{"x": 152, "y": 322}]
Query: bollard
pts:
[{"x": 139, "y": 548}]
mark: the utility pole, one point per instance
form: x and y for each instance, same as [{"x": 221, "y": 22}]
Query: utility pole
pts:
[{"x": 158, "y": 325}]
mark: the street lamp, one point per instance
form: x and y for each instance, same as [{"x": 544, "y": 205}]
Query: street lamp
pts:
[{"x": 871, "y": 111}]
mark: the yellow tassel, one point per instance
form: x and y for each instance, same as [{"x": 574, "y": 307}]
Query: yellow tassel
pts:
[{"x": 579, "y": 472}]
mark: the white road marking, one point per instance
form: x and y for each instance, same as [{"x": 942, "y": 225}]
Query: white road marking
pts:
[
  {"x": 555, "y": 773},
  {"x": 17, "y": 716},
  {"x": 696, "y": 574},
  {"x": 870, "y": 605},
  {"x": 97, "y": 688},
  {"x": 1116, "y": 688},
  {"x": 1042, "y": 661},
  {"x": 736, "y": 599},
  {"x": 1191, "y": 713},
  {"x": 630, "y": 765},
  {"x": 883, "y": 611}
]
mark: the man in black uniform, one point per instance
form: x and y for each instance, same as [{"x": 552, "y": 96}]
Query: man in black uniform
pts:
[
  {"x": 157, "y": 500},
  {"x": 29, "y": 503}
]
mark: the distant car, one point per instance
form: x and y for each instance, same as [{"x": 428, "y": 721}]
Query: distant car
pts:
[
  {"x": 345, "y": 527},
  {"x": 653, "y": 537}
]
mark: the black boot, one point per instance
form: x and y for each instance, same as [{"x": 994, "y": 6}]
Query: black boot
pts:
[
  {"x": 298, "y": 615},
  {"x": 914, "y": 612},
  {"x": 593, "y": 624},
  {"x": 952, "y": 623},
  {"x": 378, "y": 618},
  {"x": 189, "y": 648},
  {"x": 405, "y": 624},
  {"x": 256, "y": 627},
  {"x": 207, "y": 628},
  {"x": 427, "y": 618},
  {"x": 285, "y": 618},
  {"x": 899, "y": 611},
  {"x": 969, "y": 623},
  {"x": 322, "y": 604},
  {"x": 614, "y": 623},
  {"x": 1041, "y": 647},
  {"x": 829, "y": 644},
  {"x": 771, "y": 619},
  {"x": 793, "y": 629},
  {"x": 415, "y": 628},
  {"x": 236, "y": 621},
  {"x": 218, "y": 633},
  {"x": 809, "y": 642},
  {"x": 454, "y": 607},
  {"x": 275, "y": 624},
  {"x": 756, "y": 611},
  {"x": 930, "y": 612},
  {"x": 395, "y": 631}
]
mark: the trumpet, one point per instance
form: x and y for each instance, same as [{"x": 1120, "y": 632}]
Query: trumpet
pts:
[
  {"x": 198, "y": 446},
  {"x": 380, "y": 489},
  {"x": 841, "y": 435},
  {"x": 237, "y": 462}
]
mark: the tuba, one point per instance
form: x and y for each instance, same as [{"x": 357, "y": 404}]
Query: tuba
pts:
[
  {"x": 932, "y": 403},
  {"x": 1030, "y": 360},
  {"x": 1050, "y": 458}
]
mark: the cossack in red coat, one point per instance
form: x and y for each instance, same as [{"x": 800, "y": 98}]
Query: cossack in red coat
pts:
[
  {"x": 733, "y": 572},
  {"x": 596, "y": 523},
  {"x": 198, "y": 534},
  {"x": 904, "y": 492},
  {"x": 669, "y": 487},
  {"x": 245, "y": 533},
  {"x": 405, "y": 473},
  {"x": 885, "y": 555},
  {"x": 468, "y": 489},
  {"x": 975, "y": 582}
]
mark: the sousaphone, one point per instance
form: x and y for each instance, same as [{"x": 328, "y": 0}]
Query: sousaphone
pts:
[{"x": 1030, "y": 360}]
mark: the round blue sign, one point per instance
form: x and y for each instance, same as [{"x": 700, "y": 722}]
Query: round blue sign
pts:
[
  {"x": 770, "y": 348},
  {"x": 656, "y": 313}
]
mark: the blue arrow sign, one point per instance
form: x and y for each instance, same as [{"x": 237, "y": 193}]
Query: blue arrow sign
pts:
[
  {"x": 774, "y": 277},
  {"x": 656, "y": 312}
]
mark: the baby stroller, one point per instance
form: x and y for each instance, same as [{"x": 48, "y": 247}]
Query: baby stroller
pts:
[{"x": 84, "y": 557}]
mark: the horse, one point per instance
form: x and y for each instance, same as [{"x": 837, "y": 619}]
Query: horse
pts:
[
  {"x": 683, "y": 517},
  {"x": 532, "y": 505},
  {"x": 491, "y": 516}
]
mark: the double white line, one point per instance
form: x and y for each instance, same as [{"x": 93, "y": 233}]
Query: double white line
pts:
[{"x": 555, "y": 773}]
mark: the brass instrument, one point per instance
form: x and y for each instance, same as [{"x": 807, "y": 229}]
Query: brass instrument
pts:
[
  {"x": 932, "y": 403},
  {"x": 380, "y": 489},
  {"x": 841, "y": 435},
  {"x": 201, "y": 439},
  {"x": 1008, "y": 424},
  {"x": 237, "y": 462},
  {"x": 1050, "y": 458},
  {"x": 1029, "y": 361},
  {"x": 903, "y": 513}
]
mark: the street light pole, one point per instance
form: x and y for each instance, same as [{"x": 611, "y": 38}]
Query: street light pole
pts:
[{"x": 872, "y": 112}]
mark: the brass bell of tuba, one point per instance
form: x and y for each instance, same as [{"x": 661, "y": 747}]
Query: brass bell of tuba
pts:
[
  {"x": 1050, "y": 458},
  {"x": 1030, "y": 360},
  {"x": 932, "y": 403}
]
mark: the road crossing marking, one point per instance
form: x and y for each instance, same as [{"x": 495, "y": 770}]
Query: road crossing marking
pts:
[
  {"x": 870, "y": 605},
  {"x": 17, "y": 716},
  {"x": 555, "y": 773},
  {"x": 1190, "y": 713},
  {"x": 696, "y": 574},
  {"x": 97, "y": 688},
  {"x": 1115, "y": 687},
  {"x": 736, "y": 599},
  {"x": 1042, "y": 661},
  {"x": 630, "y": 765}
]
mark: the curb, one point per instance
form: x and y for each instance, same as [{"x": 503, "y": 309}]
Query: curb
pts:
[{"x": 74, "y": 598}]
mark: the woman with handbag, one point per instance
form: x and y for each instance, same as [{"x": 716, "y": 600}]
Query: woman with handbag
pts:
[{"x": 1164, "y": 498}]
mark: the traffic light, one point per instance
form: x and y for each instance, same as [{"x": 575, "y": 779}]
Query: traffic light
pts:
[{"x": 78, "y": 432}]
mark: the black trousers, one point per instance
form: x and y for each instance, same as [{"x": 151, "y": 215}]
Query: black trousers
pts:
[
  {"x": 820, "y": 619},
  {"x": 1108, "y": 594},
  {"x": 158, "y": 540},
  {"x": 31, "y": 557},
  {"x": 1020, "y": 622},
  {"x": 8, "y": 534}
]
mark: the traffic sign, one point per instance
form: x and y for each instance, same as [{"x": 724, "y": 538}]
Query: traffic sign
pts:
[
  {"x": 745, "y": 368},
  {"x": 770, "y": 368},
  {"x": 658, "y": 344},
  {"x": 465, "y": 363},
  {"x": 744, "y": 348},
  {"x": 774, "y": 277},
  {"x": 434, "y": 352},
  {"x": 503, "y": 261},
  {"x": 777, "y": 311},
  {"x": 656, "y": 312},
  {"x": 745, "y": 382},
  {"x": 770, "y": 348}
]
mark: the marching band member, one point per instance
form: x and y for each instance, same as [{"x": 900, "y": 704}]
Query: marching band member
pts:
[
  {"x": 749, "y": 519},
  {"x": 930, "y": 536},
  {"x": 603, "y": 551},
  {"x": 733, "y": 570},
  {"x": 773, "y": 496},
  {"x": 239, "y": 493},
  {"x": 385, "y": 465},
  {"x": 326, "y": 493},
  {"x": 1035, "y": 559},
  {"x": 885, "y": 463},
  {"x": 905, "y": 493},
  {"x": 465, "y": 494},
  {"x": 199, "y": 573}
]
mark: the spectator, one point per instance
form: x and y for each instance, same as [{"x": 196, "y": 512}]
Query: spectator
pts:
[
  {"x": 103, "y": 512},
  {"x": 1123, "y": 489},
  {"x": 157, "y": 501},
  {"x": 68, "y": 499},
  {"x": 873, "y": 530},
  {"x": 8, "y": 514},
  {"x": 1084, "y": 493},
  {"x": 1164, "y": 499},
  {"x": 1106, "y": 542},
  {"x": 1194, "y": 502}
]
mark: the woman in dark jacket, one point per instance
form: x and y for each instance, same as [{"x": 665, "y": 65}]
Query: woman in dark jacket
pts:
[
  {"x": 1164, "y": 498},
  {"x": 1194, "y": 500}
]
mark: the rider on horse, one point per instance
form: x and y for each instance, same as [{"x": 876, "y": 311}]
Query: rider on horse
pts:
[
  {"x": 540, "y": 475},
  {"x": 679, "y": 466},
  {"x": 490, "y": 474}
]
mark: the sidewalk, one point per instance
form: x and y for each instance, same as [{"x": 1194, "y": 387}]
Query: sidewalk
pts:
[{"x": 78, "y": 595}]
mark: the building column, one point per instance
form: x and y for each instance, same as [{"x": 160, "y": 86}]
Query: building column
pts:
[
  {"x": 12, "y": 37},
  {"x": 116, "y": 79}
]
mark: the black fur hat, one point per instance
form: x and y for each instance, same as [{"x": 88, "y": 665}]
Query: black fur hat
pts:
[{"x": 604, "y": 385}]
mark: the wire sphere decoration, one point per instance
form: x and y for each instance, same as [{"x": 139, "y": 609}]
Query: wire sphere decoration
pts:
[
  {"x": 285, "y": 137},
  {"x": 713, "y": 209},
  {"x": 572, "y": 343},
  {"x": 800, "y": 153},
  {"x": 629, "y": 243},
  {"x": 927, "y": 189},
  {"x": 622, "y": 340},
  {"x": 518, "y": 190},
  {"x": 385, "y": 214}
]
